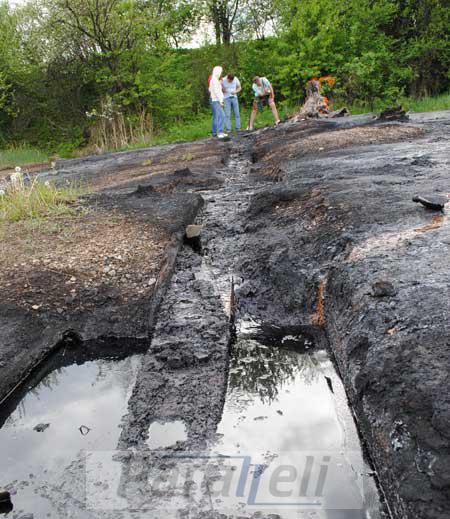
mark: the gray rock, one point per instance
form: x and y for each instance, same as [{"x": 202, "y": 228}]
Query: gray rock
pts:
[
  {"x": 202, "y": 356},
  {"x": 433, "y": 202},
  {"x": 40, "y": 427},
  {"x": 383, "y": 288},
  {"x": 193, "y": 231}
]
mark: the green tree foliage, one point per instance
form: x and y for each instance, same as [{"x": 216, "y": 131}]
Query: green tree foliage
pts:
[{"x": 77, "y": 72}]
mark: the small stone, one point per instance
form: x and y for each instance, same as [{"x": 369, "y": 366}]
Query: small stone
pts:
[
  {"x": 112, "y": 273},
  {"x": 73, "y": 279},
  {"x": 151, "y": 281},
  {"x": 40, "y": 427},
  {"x": 202, "y": 356},
  {"x": 383, "y": 289},
  {"x": 35, "y": 307},
  {"x": 60, "y": 310},
  {"x": 193, "y": 231},
  {"x": 106, "y": 269},
  {"x": 434, "y": 202}
]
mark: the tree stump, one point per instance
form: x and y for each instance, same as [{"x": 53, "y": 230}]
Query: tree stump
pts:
[{"x": 316, "y": 105}]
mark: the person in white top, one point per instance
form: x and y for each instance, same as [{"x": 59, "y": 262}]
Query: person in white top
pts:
[
  {"x": 264, "y": 96},
  {"x": 231, "y": 87},
  {"x": 217, "y": 99}
]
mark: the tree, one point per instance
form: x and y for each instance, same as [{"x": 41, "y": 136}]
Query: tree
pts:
[
  {"x": 223, "y": 14},
  {"x": 258, "y": 19}
]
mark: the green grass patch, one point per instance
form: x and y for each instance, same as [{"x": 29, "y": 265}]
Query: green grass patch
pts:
[
  {"x": 38, "y": 200},
  {"x": 20, "y": 156},
  {"x": 427, "y": 104},
  {"x": 200, "y": 127}
]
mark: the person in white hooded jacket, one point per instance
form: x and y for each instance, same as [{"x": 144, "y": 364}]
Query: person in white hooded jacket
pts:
[{"x": 218, "y": 114}]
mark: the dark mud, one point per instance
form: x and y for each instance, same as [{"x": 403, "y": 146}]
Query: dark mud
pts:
[{"x": 310, "y": 228}]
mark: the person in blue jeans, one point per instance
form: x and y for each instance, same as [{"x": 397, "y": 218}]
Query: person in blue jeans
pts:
[
  {"x": 231, "y": 87},
  {"x": 217, "y": 101}
]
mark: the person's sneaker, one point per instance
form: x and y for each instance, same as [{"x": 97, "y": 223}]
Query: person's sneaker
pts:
[{"x": 222, "y": 135}]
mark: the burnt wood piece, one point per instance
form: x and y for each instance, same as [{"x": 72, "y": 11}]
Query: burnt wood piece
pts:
[
  {"x": 436, "y": 203},
  {"x": 395, "y": 113},
  {"x": 343, "y": 112}
]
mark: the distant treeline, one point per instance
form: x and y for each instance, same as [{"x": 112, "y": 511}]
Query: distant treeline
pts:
[{"x": 105, "y": 73}]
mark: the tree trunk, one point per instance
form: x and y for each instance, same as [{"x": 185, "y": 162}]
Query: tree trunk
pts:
[{"x": 315, "y": 103}]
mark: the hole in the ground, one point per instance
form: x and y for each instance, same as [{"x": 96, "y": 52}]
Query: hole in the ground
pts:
[
  {"x": 195, "y": 243},
  {"x": 6, "y": 505},
  {"x": 286, "y": 409},
  {"x": 73, "y": 403}
]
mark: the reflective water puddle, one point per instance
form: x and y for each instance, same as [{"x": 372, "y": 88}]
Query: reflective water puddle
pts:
[
  {"x": 74, "y": 409},
  {"x": 286, "y": 447},
  {"x": 287, "y": 412}
]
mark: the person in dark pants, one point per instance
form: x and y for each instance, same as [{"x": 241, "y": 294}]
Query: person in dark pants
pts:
[{"x": 264, "y": 96}]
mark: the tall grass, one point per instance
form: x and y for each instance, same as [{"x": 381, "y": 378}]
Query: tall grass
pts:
[
  {"x": 201, "y": 127},
  {"x": 20, "y": 156},
  {"x": 427, "y": 104},
  {"x": 37, "y": 200}
]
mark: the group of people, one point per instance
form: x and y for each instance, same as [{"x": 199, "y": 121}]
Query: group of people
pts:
[{"x": 224, "y": 100}]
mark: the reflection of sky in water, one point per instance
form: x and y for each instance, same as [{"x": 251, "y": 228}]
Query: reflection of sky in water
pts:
[
  {"x": 292, "y": 413},
  {"x": 279, "y": 407},
  {"x": 94, "y": 394},
  {"x": 165, "y": 434}
]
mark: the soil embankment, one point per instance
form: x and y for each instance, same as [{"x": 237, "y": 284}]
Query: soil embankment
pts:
[
  {"x": 102, "y": 272},
  {"x": 340, "y": 242}
]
